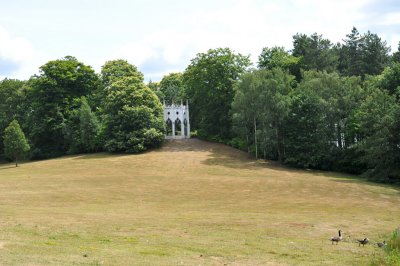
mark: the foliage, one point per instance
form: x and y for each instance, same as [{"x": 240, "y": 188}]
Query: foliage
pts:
[
  {"x": 114, "y": 70},
  {"x": 277, "y": 57},
  {"x": 209, "y": 81},
  {"x": 53, "y": 98},
  {"x": 392, "y": 251},
  {"x": 379, "y": 118},
  {"x": 315, "y": 52},
  {"x": 15, "y": 143},
  {"x": 133, "y": 119},
  {"x": 82, "y": 130},
  {"x": 396, "y": 55},
  {"x": 12, "y": 104},
  {"x": 307, "y": 135},
  {"x": 172, "y": 88},
  {"x": 260, "y": 106},
  {"x": 362, "y": 55},
  {"x": 389, "y": 80}
]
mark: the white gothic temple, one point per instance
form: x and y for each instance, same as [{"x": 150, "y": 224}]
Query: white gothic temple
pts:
[{"x": 176, "y": 118}]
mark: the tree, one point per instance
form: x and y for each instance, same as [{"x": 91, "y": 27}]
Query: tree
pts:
[
  {"x": 209, "y": 81},
  {"x": 172, "y": 88},
  {"x": 82, "y": 129},
  {"x": 362, "y": 55},
  {"x": 90, "y": 128},
  {"x": 350, "y": 61},
  {"x": 396, "y": 55},
  {"x": 277, "y": 57},
  {"x": 12, "y": 103},
  {"x": 260, "y": 107},
  {"x": 375, "y": 54},
  {"x": 113, "y": 70},
  {"x": 54, "y": 95},
  {"x": 316, "y": 53},
  {"x": 390, "y": 79},
  {"x": 15, "y": 143},
  {"x": 132, "y": 113},
  {"x": 155, "y": 87},
  {"x": 306, "y": 138},
  {"x": 379, "y": 119}
]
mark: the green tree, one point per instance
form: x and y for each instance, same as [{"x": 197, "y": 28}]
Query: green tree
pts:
[
  {"x": 15, "y": 143},
  {"x": 114, "y": 70},
  {"x": 82, "y": 129},
  {"x": 277, "y": 57},
  {"x": 155, "y": 87},
  {"x": 209, "y": 82},
  {"x": 316, "y": 53},
  {"x": 362, "y": 55},
  {"x": 260, "y": 107},
  {"x": 90, "y": 128},
  {"x": 12, "y": 103},
  {"x": 375, "y": 54},
  {"x": 390, "y": 79},
  {"x": 350, "y": 61},
  {"x": 53, "y": 96},
  {"x": 246, "y": 110},
  {"x": 132, "y": 113},
  {"x": 379, "y": 120},
  {"x": 306, "y": 135},
  {"x": 396, "y": 55},
  {"x": 172, "y": 88}
]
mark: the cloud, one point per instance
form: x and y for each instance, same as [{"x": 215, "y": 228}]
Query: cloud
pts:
[
  {"x": 176, "y": 31},
  {"x": 18, "y": 59},
  {"x": 7, "y": 67},
  {"x": 245, "y": 27}
]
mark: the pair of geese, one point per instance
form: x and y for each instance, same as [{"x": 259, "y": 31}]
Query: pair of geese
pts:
[{"x": 363, "y": 242}]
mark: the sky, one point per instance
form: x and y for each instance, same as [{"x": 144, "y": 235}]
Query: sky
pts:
[{"x": 161, "y": 37}]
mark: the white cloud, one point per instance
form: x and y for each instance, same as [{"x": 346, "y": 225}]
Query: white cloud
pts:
[
  {"x": 166, "y": 42},
  {"x": 19, "y": 52},
  {"x": 390, "y": 19},
  {"x": 245, "y": 27}
]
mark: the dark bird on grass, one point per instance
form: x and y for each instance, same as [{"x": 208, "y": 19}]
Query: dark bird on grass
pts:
[
  {"x": 338, "y": 238},
  {"x": 362, "y": 241},
  {"x": 381, "y": 244}
]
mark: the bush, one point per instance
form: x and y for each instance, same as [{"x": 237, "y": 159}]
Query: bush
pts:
[{"x": 392, "y": 250}]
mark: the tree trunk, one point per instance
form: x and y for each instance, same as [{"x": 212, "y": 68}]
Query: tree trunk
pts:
[
  {"x": 339, "y": 135},
  {"x": 16, "y": 162},
  {"x": 255, "y": 137}
]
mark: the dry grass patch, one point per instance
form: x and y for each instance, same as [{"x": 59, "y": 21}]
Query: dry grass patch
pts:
[{"x": 189, "y": 203}]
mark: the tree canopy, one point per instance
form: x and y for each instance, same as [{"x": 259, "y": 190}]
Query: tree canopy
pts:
[
  {"x": 133, "y": 115},
  {"x": 15, "y": 143},
  {"x": 209, "y": 81}
]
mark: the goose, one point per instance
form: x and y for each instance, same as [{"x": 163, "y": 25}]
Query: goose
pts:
[
  {"x": 337, "y": 239},
  {"x": 381, "y": 244},
  {"x": 362, "y": 241}
]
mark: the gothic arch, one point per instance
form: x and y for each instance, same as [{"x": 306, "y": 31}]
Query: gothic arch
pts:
[{"x": 176, "y": 118}]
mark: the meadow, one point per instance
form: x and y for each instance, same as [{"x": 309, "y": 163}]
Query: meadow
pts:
[{"x": 189, "y": 203}]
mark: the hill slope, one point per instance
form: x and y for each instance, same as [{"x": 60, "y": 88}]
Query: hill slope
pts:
[{"x": 191, "y": 202}]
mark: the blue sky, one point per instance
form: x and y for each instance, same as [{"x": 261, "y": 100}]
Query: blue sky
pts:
[{"x": 160, "y": 37}]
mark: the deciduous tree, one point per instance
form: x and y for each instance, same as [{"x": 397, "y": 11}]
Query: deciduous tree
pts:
[
  {"x": 15, "y": 143},
  {"x": 209, "y": 81}
]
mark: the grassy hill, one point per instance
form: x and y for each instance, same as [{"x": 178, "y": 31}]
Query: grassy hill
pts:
[{"x": 191, "y": 203}]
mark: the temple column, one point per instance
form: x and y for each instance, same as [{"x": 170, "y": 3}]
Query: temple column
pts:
[
  {"x": 173, "y": 129},
  {"x": 182, "y": 130}
]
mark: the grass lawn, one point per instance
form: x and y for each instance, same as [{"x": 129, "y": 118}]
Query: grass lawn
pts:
[{"x": 189, "y": 203}]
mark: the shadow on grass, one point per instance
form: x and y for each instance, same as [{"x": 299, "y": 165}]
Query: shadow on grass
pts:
[
  {"x": 227, "y": 156},
  {"x": 353, "y": 179},
  {"x": 7, "y": 167},
  {"x": 100, "y": 155}
]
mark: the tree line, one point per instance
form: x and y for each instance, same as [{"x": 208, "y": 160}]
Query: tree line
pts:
[
  {"x": 320, "y": 105},
  {"x": 69, "y": 109}
]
